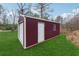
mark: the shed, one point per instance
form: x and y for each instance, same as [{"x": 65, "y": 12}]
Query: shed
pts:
[{"x": 32, "y": 31}]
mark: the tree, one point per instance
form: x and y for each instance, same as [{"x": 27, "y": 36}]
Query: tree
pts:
[
  {"x": 43, "y": 9},
  {"x": 29, "y": 12},
  {"x": 35, "y": 15},
  {"x": 14, "y": 16},
  {"x": 59, "y": 19},
  {"x": 1, "y": 9},
  {"x": 25, "y": 9},
  {"x": 4, "y": 19},
  {"x": 21, "y": 8},
  {"x": 52, "y": 19},
  {"x": 3, "y": 14}
]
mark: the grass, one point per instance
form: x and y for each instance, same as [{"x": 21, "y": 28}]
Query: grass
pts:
[{"x": 59, "y": 46}]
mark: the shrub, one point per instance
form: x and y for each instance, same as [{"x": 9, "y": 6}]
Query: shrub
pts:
[{"x": 8, "y": 27}]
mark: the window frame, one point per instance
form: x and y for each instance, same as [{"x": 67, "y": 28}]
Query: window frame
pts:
[{"x": 54, "y": 27}]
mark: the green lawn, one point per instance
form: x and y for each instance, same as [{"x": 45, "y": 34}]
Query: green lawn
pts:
[{"x": 9, "y": 45}]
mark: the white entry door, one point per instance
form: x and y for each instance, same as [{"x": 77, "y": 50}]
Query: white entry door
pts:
[{"x": 40, "y": 32}]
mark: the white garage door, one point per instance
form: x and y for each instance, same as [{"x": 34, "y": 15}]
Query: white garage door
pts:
[
  {"x": 40, "y": 32},
  {"x": 21, "y": 33}
]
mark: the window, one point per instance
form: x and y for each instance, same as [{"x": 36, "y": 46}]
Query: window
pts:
[{"x": 54, "y": 27}]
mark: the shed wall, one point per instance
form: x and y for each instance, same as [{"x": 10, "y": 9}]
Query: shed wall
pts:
[
  {"x": 49, "y": 30},
  {"x": 21, "y": 33},
  {"x": 21, "y": 30},
  {"x": 31, "y": 32}
]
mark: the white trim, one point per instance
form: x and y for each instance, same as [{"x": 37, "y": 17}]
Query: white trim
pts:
[
  {"x": 18, "y": 30},
  {"x": 24, "y": 33},
  {"x": 39, "y": 18}
]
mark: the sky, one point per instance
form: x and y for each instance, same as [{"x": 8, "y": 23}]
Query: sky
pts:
[{"x": 58, "y": 8}]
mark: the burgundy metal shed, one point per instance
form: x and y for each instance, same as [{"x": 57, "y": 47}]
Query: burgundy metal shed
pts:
[{"x": 33, "y": 30}]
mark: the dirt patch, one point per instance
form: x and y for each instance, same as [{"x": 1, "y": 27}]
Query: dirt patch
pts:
[{"x": 74, "y": 37}]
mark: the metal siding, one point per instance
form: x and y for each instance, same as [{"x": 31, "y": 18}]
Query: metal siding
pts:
[
  {"x": 32, "y": 31},
  {"x": 58, "y": 29},
  {"x": 49, "y": 30}
]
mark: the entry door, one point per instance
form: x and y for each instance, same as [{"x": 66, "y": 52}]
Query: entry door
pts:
[{"x": 40, "y": 32}]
